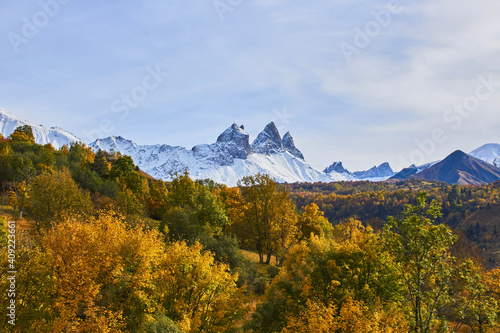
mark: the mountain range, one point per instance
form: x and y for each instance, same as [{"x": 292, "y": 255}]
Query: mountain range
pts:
[
  {"x": 232, "y": 157},
  {"x": 227, "y": 160},
  {"x": 461, "y": 168}
]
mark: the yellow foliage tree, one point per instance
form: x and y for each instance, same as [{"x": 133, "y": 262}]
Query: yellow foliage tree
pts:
[
  {"x": 352, "y": 317},
  {"x": 350, "y": 268},
  {"x": 264, "y": 216},
  {"x": 99, "y": 275},
  {"x": 23, "y": 134},
  {"x": 197, "y": 293},
  {"x": 313, "y": 221}
]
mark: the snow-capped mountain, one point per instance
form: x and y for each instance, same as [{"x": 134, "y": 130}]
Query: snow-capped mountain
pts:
[
  {"x": 43, "y": 135},
  {"x": 382, "y": 172},
  {"x": 227, "y": 160},
  {"x": 336, "y": 167},
  {"x": 489, "y": 153},
  {"x": 375, "y": 174}
]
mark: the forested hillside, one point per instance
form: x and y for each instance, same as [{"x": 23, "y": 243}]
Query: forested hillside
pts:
[
  {"x": 99, "y": 246},
  {"x": 471, "y": 210}
]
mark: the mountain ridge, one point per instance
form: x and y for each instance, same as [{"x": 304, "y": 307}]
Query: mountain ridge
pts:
[
  {"x": 56, "y": 136},
  {"x": 460, "y": 168}
]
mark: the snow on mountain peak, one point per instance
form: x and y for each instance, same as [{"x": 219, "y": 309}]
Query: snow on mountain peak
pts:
[
  {"x": 43, "y": 135},
  {"x": 226, "y": 161},
  {"x": 113, "y": 143},
  {"x": 489, "y": 153}
]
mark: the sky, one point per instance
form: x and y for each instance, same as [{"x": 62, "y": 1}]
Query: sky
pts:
[{"x": 362, "y": 82}]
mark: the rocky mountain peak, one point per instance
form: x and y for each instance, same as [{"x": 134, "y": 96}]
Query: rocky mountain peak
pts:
[
  {"x": 236, "y": 141},
  {"x": 268, "y": 141},
  {"x": 289, "y": 145},
  {"x": 336, "y": 167}
]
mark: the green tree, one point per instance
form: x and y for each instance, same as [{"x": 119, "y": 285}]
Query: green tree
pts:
[
  {"x": 5, "y": 162},
  {"x": 193, "y": 210},
  {"x": 122, "y": 167},
  {"x": 421, "y": 249},
  {"x": 157, "y": 199},
  {"x": 101, "y": 164},
  {"x": 54, "y": 197},
  {"x": 22, "y": 168},
  {"x": 80, "y": 156},
  {"x": 130, "y": 203}
]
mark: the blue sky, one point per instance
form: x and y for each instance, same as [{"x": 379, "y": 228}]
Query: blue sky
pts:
[{"x": 362, "y": 82}]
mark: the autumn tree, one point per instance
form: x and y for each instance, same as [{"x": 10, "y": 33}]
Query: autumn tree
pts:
[
  {"x": 31, "y": 281},
  {"x": 474, "y": 304},
  {"x": 157, "y": 199},
  {"x": 23, "y": 134},
  {"x": 100, "y": 275},
  {"x": 353, "y": 317},
  {"x": 80, "y": 155},
  {"x": 421, "y": 249},
  {"x": 265, "y": 216},
  {"x": 342, "y": 278},
  {"x": 196, "y": 292},
  {"x": 193, "y": 210},
  {"x": 133, "y": 186},
  {"x": 313, "y": 221},
  {"x": 87, "y": 276},
  {"x": 54, "y": 197},
  {"x": 18, "y": 196}
]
